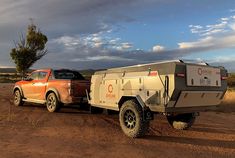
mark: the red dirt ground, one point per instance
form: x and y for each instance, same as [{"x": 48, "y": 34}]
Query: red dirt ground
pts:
[{"x": 30, "y": 131}]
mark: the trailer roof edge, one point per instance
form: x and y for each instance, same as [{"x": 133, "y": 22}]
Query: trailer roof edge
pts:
[{"x": 139, "y": 65}]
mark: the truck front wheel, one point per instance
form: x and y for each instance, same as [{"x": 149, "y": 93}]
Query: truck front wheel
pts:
[
  {"x": 52, "y": 103},
  {"x": 131, "y": 119},
  {"x": 181, "y": 121},
  {"x": 18, "y": 98}
]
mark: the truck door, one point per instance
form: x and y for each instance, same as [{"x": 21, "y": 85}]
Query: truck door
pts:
[
  {"x": 28, "y": 85},
  {"x": 40, "y": 85}
]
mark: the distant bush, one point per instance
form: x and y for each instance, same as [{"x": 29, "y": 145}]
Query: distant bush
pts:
[{"x": 9, "y": 77}]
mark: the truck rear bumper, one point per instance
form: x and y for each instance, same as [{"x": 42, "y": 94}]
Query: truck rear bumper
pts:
[{"x": 75, "y": 100}]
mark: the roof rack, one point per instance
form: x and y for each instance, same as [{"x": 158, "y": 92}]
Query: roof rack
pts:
[{"x": 194, "y": 61}]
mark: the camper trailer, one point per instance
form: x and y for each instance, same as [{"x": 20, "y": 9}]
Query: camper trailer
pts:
[{"x": 176, "y": 89}]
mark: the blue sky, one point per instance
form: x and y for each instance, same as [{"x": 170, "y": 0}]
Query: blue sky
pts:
[{"x": 96, "y": 34}]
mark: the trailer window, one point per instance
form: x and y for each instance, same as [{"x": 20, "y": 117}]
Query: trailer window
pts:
[{"x": 68, "y": 74}]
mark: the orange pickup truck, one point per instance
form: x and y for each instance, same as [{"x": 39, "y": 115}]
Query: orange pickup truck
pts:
[{"x": 51, "y": 87}]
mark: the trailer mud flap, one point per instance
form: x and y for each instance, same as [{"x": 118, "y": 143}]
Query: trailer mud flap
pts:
[{"x": 148, "y": 115}]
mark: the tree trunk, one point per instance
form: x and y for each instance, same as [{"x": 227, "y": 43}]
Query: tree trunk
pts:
[{"x": 22, "y": 74}]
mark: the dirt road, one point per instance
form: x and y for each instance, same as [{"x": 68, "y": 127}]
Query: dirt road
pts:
[{"x": 30, "y": 131}]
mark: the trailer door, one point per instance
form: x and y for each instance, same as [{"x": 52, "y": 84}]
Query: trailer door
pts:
[{"x": 203, "y": 76}]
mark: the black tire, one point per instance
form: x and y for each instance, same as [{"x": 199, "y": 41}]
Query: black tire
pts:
[
  {"x": 131, "y": 119},
  {"x": 181, "y": 121},
  {"x": 52, "y": 103},
  {"x": 18, "y": 98}
]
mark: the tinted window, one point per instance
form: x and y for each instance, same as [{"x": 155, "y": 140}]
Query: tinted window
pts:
[
  {"x": 42, "y": 75},
  {"x": 68, "y": 74},
  {"x": 34, "y": 76}
]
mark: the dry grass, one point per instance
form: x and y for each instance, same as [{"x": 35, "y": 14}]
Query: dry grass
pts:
[
  {"x": 228, "y": 105},
  {"x": 231, "y": 80}
]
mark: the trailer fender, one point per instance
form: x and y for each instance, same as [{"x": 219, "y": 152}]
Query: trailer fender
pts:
[
  {"x": 129, "y": 97},
  {"x": 147, "y": 113}
]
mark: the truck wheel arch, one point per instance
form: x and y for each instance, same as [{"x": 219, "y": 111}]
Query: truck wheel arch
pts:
[
  {"x": 52, "y": 90},
  {"x": 20, "y": 89},
  {"x": 125, "y": 98}
]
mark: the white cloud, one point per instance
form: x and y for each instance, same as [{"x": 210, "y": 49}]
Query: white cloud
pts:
[
  {"x": 223, "y": 59},
  {"x": 226, "y": 41},
  {"x": 68, "y": 41},
  {"x": 96, "y": 39},
  {"x": 224, "y": 25},
  {"x": 126, "y": 45},
  {"x": 213, "y": 32},
  {"x": 195, "y": 28},
  {"x": 213, "y": 36},
  {"x": 99, "y": 40},
  {"x": 232, "y": 10},
  {"x": 224, "y": 19},
  {"x": 97, "y": 58},
  {"x": 158, "y": 48},
  {"x": 204, "y": 42},
  {"x": 232, "y": 26},
  {"x": 98, "y": 44},
  {"x": 100, "y": 48}
]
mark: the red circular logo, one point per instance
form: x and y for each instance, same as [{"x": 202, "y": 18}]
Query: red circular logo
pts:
[
  {"x": 199, "y": 71},
  {"x": 110, "y": 88}
]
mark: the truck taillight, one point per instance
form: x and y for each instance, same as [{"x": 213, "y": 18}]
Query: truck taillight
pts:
[
  {"x": 180, "y": 75},
  {"x": 70, "y": 89}
]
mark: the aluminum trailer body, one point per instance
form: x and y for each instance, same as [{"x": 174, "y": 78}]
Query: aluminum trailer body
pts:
[{"x": 169, "y": 88}]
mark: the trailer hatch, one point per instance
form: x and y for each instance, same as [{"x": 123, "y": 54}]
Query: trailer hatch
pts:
[{"x": 203, "y": 76}]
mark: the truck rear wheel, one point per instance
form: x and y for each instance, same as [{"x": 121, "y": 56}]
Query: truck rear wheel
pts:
[
  {"x": 181, "y": 121},
  {"x": 52, "y": 103},
  {"x": 18, "y": 98},
  {"x": 131, "y": 119}
]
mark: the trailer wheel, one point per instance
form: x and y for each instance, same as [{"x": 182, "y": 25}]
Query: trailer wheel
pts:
[
  {"x": 52, "y": 103},
  {"x": 131, "y": 119},
  {"x": 181, "y": 121},
  {"x": 18, "y": 98}
]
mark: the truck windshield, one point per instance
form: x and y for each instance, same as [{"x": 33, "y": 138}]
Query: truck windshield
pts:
[{"x": 68, "y": 74}]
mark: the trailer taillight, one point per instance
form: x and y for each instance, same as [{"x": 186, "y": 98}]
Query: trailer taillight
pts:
[
  {"x": 180, "y": 75},
  {"x": 224, "y": 78}
]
